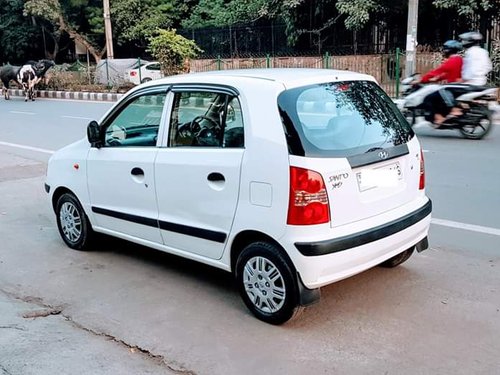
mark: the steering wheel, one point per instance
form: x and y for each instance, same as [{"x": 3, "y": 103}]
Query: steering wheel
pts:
[
  {"x": 117, "y": 134},
  {"x": 195, "y": 126}
]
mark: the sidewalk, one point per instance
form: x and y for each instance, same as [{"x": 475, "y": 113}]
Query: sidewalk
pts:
[{"x": 39, "y": 339}]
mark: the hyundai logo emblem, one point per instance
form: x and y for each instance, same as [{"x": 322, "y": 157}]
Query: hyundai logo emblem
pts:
[{"x": 383, "y": 154}]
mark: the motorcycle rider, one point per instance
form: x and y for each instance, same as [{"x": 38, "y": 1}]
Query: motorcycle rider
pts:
[
  {"x": 477, "y": 63},
  {"x": 475, "y": 68},
  {"x": 440, "y": 103}
]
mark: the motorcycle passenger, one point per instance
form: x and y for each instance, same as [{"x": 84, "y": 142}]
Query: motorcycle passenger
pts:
[
  {"x": 477, "y": 63},
  {"x": 450, "y": 69},
  {"x": 440, "y": 103}
]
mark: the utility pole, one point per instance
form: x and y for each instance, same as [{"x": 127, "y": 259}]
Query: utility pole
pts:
[
  {"x": 107, "y": 30},
  {"x": 411, "y": 37}
]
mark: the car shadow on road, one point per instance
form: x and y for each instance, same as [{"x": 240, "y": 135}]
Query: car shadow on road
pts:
[
  {"x": 373, "y": 294},
  {"x": 203, "y": 273}
]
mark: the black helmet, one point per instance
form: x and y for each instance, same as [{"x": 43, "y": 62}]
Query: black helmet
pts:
[
  {"x": 451, "y": 46},
  {"x": 472, "y": 38}
]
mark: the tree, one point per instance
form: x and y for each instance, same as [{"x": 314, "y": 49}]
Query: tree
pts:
[
  {"x": 137, "y": 20},
  {"x": 68, "y": 19},
  {"x": 221, "y": 13},
  {"x": 229, "y": 12},
  {"x": 16, "y": 33},
  {"x": 358, "y": 12},
  {"x": 470, "y": 7},
  {"x": 487, "y": 10},
  {"x": 172, "y": 50}
]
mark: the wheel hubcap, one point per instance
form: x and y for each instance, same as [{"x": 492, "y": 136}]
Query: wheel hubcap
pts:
[
  {"x": 264, "y": 284},
  {"x": 71, "y": 221}
]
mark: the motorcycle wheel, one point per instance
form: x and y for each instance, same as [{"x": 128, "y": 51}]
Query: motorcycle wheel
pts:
[{"x": 479, "y": 128}]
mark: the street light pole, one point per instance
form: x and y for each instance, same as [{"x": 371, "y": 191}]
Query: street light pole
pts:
[
  {"x": 107, "y": 30},
  {"x": 411, "y": 37}
]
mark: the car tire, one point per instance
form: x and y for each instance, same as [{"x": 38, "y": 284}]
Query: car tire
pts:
[
  {"x": 72, "y": 222},
  {"x": 267, "y": 283},
  {"x": 144, "y": 80},
  {"x": 398, "y": 259}
]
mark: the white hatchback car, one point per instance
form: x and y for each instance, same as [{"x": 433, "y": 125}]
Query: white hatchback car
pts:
[
  {"x": 292, "y": 179},
  {"x": 146, "y": 72}
]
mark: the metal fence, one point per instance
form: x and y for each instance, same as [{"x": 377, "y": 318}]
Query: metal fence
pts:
[{"x": 386, "y": 68}]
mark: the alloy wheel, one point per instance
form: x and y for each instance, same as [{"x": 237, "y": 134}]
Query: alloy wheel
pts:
[
  {"x": 71, "y": 221},
  {"x": 264, "y": 284}
]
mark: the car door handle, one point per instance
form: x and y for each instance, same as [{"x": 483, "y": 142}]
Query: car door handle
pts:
[
  {"x": 137, "y": 172},
  {"x": 215, "y": 176}
]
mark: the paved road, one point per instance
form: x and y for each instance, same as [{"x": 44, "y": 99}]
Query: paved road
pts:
[{"x": 439, "y": 313}]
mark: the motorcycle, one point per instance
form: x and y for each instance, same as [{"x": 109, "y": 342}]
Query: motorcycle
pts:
[{"x": 475, "y": 120}]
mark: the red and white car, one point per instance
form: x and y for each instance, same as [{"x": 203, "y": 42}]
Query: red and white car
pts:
[{"x": 291, "y": 179}]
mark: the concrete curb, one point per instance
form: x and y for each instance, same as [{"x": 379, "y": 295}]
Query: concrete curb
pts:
[{"x": 95, "y": 96}]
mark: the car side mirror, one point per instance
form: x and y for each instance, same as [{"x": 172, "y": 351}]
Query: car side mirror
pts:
[{"x": 94, "y": 134}]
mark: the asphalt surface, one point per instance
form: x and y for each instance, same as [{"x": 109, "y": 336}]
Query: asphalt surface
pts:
[{"x": 126, "y": 309}]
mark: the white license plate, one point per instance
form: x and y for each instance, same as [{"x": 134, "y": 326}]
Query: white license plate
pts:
[{"x": 386, "y": 176}]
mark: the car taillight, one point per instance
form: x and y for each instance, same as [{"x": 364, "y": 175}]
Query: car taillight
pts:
[
  {"x": 308, "y": 202},
  {"x": 133, "y": 74},
  {"x": 421, "y": 184}
]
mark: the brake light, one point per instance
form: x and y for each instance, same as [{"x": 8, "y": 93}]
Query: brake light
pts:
[
  {"x": 133, "y": 73},
  {"x": 421, "y": 184},
  {"x": 308, "y": 202}
]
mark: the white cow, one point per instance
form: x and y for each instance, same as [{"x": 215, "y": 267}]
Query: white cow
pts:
[{"x": 27, "y": 78}]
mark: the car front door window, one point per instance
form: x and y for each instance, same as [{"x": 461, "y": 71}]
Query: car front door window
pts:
[{"x": 137, "y": 124}]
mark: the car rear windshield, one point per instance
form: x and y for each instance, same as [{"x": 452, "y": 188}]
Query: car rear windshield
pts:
[{"x": 341, "y": 119}]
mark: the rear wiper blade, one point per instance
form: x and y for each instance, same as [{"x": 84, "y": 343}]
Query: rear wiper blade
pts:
[{"x": 373, "y": 149}]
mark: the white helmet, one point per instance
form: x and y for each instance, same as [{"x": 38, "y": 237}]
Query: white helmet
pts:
[{"x": 471, "y": 38}]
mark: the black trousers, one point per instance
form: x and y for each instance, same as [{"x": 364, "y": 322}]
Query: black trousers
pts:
[{"x": 442, "y": 101}]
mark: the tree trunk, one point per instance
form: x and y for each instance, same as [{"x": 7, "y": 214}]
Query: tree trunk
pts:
[
  {"x": 48, "y": 54},
  {"x": 95, "y": 52}
]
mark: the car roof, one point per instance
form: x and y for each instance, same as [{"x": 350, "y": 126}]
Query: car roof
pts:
[{"x": 286, "y": 77}]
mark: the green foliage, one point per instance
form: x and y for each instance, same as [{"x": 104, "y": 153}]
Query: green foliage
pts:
[
  {"x": 208, "y": 13},
  {"x": 46, "y": 9},
  {"x": 469, "y": 7},
  {"x": 172, "y": 50},
  {"x": 357, "y": 12},
  {"x": 218, "y": 13},
  {"x": 137, "y": 20},
  {"x": 16, "y": 32},
  {"x": 81, "y": 19}
]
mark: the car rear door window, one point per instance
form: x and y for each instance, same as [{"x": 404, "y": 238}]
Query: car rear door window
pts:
[
  {"x": 341, "y": 119},
  {"x": 206, "y": 119}
]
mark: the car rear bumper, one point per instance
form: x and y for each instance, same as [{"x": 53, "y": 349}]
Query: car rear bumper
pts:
[
  {"x": 326, "y": 261},
  {"x": 361, "y": 238}
]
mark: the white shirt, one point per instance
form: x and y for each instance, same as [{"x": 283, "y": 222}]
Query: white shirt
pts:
[{"x": 476, "y": 66}]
